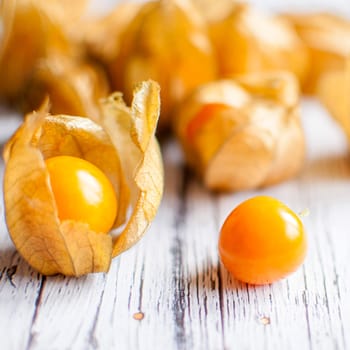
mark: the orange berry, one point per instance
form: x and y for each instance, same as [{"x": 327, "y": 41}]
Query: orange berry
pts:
[
  {"x": 262, "y": 240},
  {"x": 82, "y": 192},
  {"x": 208, "y": 111}
]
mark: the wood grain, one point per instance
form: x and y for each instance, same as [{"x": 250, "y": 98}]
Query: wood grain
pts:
[{"x": 170, "y": 291}]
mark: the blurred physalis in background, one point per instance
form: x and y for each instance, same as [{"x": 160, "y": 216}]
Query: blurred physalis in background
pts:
[
  {"x": 327, "y": 38},
  {"x": 165, "y": 41},
  {"x": 246, "y": 124},
  {"x": 243, "y": 133},
  {"x": 248, "y": 40},
  {"x": 40, "y": 56}
]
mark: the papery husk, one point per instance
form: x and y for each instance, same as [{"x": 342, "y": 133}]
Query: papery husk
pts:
[
  {"x": 141, "y": 158},
  {"x": 134, "y": 168},
  {"x": 247, "y": 40},
  {"x": 101, "y": 36},
  {"x": 327, "y": 37},
  {"x": 74, "y": 86},
  {"x": 63, "y": 11},
  {"x": 24, "y": 47},
  {"x": 33, "y": 31},
  {"x": 66, "y": 15},
  {"x": 48, "y": 245},
  {"x": 333, "y": 90},
  {"x": 165, "y": 41},
  {"x": 212, "y": 12},
  {"x": 7, "y": 10},
  {"x": 258, "y": 143}
]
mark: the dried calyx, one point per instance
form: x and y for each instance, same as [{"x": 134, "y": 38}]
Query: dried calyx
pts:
[
  {"x": 243, "y": 133},
  {"x": 327, "y": 38},
  {"x": 42, "y": 55},
  {"x": 165, "y": 41},
  {"x": 247, "y": 40},
  {"x": 333, "y": 91},
  {"x": 74, "y": 86},
  {"x": 121, "y": 143}
]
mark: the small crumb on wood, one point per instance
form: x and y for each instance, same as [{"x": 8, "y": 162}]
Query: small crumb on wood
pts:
[
  {"x": 138, "y": 316},
  {"x": 264, "y": 320}
]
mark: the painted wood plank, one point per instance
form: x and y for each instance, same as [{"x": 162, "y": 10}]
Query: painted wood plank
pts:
[
  {"x": 170, "y": 290},
  {"x": 246, "y": 310},
  {"x": 66, "y": 312},
  {"x": 144, "y": 284},
  {"x": 102, "y": 311}
]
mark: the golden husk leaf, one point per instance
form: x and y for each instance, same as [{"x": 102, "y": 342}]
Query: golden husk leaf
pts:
[
  {"x": 132, "y": 163},
  {"x": 333, "y": 90},
  {"x": 212, "y": 13},
  {"x": 257, "y": 139},
  {"x": 74, "y": 86},
  {"x": 102, "y": 35},
  {"x": 165, "y": 41},
  {"x": 7, "y": 11},
  {"x": 63, "y": 11},
  {"x": 140, "y": 159},
  {"x": 247, "y": 40},
  {"x": 327, "y": 37},
  {"x": 24, "y": 46}
]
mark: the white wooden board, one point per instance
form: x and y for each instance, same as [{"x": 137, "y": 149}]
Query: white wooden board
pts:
[
  {"x": 170, "y": 291},
  {"x": 173, "y": 282}
]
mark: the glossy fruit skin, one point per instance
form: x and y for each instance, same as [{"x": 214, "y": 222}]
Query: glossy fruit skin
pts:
[
  {"x": 207, "y": 112},
  {"x": 262, "y": 241},
  {"x": 82, "y": 192}
]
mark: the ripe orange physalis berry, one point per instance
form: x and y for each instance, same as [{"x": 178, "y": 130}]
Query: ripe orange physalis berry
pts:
[
  {"x": 262, "y": 241},
  {"x": 82, "y": 192},
  {"x": 207, "y": 112}
]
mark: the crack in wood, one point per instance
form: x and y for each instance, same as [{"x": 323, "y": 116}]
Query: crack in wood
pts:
[
  {"x": 32, "y": 334},
  {"x": 179, "y": 302},
  {"x": 2, "y": 273},
  {"x": 306, "y": 304},
  {"x": 220, "y": 285},
  {"x": 10, "y": 272},
  {"x": 92, "y": 338},
  {"x": 221, "y": 300},
  {"x": 336, "y": 284},
  {"x": 320, "y": 261},
  {"x": 141, "y": 288},
  {"x": 115, "y": 294}
]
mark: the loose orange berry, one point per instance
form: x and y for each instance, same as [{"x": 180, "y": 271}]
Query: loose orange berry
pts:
[{"x": 262, "y": 240}]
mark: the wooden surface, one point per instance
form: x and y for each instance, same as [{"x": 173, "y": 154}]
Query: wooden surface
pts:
[{"x": 170, "y": 292}]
